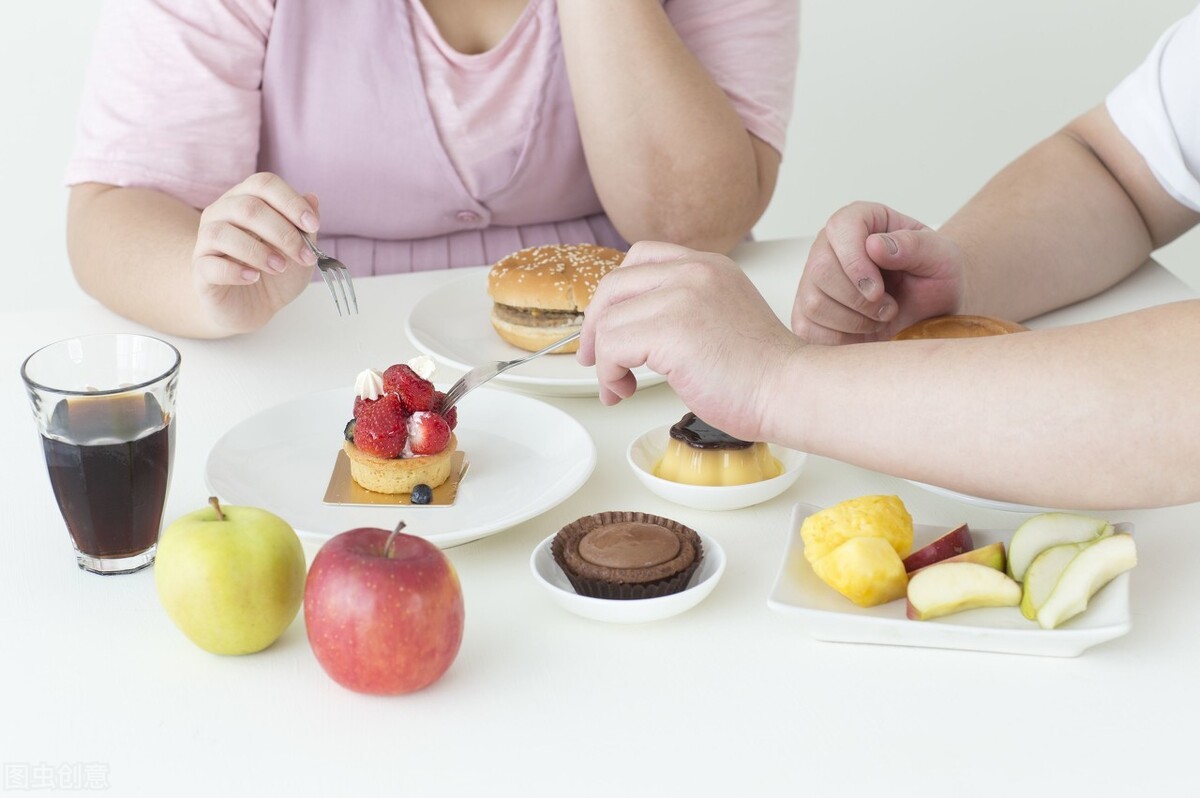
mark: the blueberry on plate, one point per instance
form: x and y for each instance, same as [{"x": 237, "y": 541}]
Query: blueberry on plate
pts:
[
  {"x": 421, "y": 494},
  {"x": 348, "y": 432}
]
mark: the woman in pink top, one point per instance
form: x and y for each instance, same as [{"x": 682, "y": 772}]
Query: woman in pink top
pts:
[{"x": 436, "y": 133}]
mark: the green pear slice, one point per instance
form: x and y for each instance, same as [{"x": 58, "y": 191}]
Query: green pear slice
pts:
[
  {"x": 947, "y": 587},
  {"x": 1096, "y": 564},
  {"x": 1050, "y": 529},
  {"x": 1042, "y": 575}
]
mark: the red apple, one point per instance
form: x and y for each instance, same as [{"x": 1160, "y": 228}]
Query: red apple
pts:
[
  {"x": 384, "y": 611},
  {"x": 956, "y": 541}
]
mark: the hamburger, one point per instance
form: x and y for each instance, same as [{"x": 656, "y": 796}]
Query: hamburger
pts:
[
  {"x": 958, "y": 327},
  {"x": 540, "y": 293}
]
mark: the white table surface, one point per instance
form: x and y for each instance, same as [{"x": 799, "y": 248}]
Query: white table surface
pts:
[{"x": 728, "y": 698}]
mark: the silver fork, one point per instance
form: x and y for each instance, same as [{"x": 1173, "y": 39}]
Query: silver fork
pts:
[
  {"x": 336, "y": 277},
  {"x": 481, "y": 374}
]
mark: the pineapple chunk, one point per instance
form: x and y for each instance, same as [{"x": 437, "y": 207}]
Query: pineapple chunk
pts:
[
  {"x": 866, "y": 570},
  {"x": 867, "y": 516}
]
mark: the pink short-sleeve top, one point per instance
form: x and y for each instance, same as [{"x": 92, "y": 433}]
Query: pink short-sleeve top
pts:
[{"x": 423, "y": 157}]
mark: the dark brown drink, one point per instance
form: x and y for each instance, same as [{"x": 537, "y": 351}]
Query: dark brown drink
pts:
[{"x": 110, "y": 464}]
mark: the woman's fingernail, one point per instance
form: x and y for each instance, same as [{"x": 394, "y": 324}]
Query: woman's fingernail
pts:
[
  {"x": 866, "y": 285},
  {"x": 276, "y": 262},
  {"x": 250, "y": 275},
  {"x": 308, "y": 221},
  {"x": 886, "y": 311},
  {"x": 890, "y": 243},
  {"x": 307, "y": 257}
]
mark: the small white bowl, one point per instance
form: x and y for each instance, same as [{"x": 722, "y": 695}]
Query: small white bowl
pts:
[
  {"x": 648, "y": 448},
  {"x": 551, "y": 577}
]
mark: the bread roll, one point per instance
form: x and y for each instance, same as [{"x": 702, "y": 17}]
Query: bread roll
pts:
[{"x": 958, "y": 327}]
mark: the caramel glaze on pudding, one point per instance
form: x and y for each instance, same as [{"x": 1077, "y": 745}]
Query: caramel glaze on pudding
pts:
[{"x": 700, "y": 454}]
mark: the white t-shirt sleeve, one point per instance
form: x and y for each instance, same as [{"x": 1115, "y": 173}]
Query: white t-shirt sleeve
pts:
[{"x": 1158, "y": 109}]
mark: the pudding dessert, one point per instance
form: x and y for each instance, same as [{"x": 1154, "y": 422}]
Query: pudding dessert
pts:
[
  {"x": 399, "y": 438},
  {"x": 700, "y": 454},
  {"x": 958, "y": 327},
  {"x": 627, "y": 555},
  {"x": 540, "y": 293}
]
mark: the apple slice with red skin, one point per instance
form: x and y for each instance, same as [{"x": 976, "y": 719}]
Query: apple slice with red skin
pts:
[
  {"x": 992, "y": 555},
  {"x": 954, "y": 542},
  {"x": 948, "y": 587}
]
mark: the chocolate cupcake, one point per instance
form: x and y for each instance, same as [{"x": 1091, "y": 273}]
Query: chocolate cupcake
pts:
[{"x": 627, "y": 555}]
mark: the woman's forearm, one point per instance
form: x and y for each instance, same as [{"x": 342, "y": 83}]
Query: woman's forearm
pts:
[
  {"x": 131, "y": 249},
  {"x": 670, "y": 158},
  {"x": 1100, "y": 415}
]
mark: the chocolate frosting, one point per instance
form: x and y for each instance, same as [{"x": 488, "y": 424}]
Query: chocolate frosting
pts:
[
  {"x": 629, "y": 545},
  {"x": 700, "y": 435},
  {"x": 580, "y": 543}
]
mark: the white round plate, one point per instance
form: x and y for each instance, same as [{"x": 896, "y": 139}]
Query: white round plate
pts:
[
  {"x": 550, "y": 576},
  {"x": 524, "y": 457},
  {"x": 647, "y": 449},
  {"x": 452, "y": 324},
  {"x": 988, "y": 504}
]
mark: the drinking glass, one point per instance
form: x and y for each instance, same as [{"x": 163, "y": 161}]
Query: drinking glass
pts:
[{"x": 105, "y": 408}]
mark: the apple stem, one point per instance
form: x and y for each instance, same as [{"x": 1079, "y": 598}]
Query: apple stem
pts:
[
  {"x": 387, "y": 547},
  {"x": 216, "y": 506}
]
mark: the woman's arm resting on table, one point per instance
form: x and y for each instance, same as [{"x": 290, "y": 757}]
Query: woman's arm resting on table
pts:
[
  {"x": 670, "y": 158},
  {"x": 204, "y": 274},
  {"x": 1100, "y": 415}
]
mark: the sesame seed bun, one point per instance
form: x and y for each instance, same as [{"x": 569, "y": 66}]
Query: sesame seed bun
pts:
[
  {"x": 540, "y": 293},
  {"x": 958, "y": 327}
]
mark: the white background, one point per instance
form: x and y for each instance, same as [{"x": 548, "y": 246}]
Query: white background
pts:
[{"x": 913, "y": 103}]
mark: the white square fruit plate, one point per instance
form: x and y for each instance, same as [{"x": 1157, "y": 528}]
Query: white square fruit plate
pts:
[{"x": 827, "y": 615}]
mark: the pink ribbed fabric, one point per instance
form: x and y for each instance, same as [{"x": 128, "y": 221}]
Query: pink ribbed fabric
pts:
[{"x": 362, "y": 103}]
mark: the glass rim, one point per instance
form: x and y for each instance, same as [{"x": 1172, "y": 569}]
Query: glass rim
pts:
[{"x": 109, "y": 391}]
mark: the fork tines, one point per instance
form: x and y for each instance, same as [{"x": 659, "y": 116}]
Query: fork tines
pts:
[{"x": 337, "y": 278}]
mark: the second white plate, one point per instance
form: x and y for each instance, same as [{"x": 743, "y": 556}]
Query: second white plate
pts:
[
  {"x": 524, "y": 457},
  {"x": 989, "y": 504},
  {"x": 451, "y": 324}
]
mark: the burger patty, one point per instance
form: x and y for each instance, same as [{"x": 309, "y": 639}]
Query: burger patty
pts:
[{"x": 536, "y": 317}]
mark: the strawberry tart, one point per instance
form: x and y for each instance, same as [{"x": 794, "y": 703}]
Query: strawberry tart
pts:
[{"x": 399, "y": 438}]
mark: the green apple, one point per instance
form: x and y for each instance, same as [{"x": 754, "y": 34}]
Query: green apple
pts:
[
  {"x": 231, "y": 578},
  {"x": 948, "y": 587},
  {"x": 1042, "y": 575},
  {"x": 1096, "y": 564},
  {"x": 1050, "y": 529}
]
